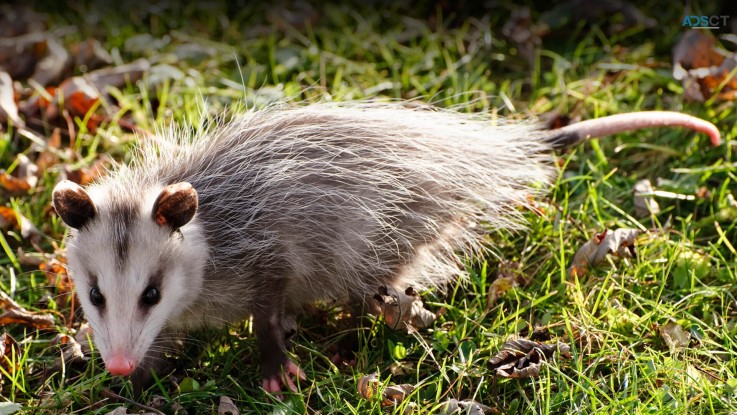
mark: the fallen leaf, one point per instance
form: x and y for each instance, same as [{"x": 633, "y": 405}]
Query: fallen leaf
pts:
[
  {"x": 118, "y": 76},
  {"x": 83, "y": 338},
  {"x": 15, "y": 314},
  {"x": 521, "y": 358},
  {"x": 227, "y": 407},
  {"x": 398, "y": 368},
  {"x": 507, "y": 278},
  {"x": 29, "y": 231},
  {"x": 9, "y": 353},
  {"x": 645, "y": 204},
  {"x": 78, "y": 95},
  {"x": 86, "y": 175},
  {"x": 8, "y": 219},
  {"x": 368, "y": 386},
  {"x": 26, "y": 170},
  {"x": 71, "y": 350},
  {"x": 90, "y": 55},
  {"x": 12, "y": 184},
  {"x": 49, "y": 155},
  {"x": 8, "y": 106},
  {"x": 395, "y": 394},
  {"x": 403, "y": 309},
  {"x": 56, "y": 274},
  {"x": 499, "y": 287},
  {"x": 54, "y": 66},
  {"x": 674, "y": 336},
  {"x": 620, "y": 242},
  {"x": 20, "y": 54},
  {"x": 7, "y": 408},
  {"x": 702, "y": 67},
  {"x": 465, "y": 407}
]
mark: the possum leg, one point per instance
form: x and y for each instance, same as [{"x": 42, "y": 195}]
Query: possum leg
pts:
[{"x": 277, "y": 369}]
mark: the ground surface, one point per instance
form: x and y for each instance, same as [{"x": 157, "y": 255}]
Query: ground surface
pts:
[{"x": 651, "y": 334}]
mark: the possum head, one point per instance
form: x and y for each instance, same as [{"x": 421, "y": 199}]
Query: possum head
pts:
[{"x": 136, "y": 261}]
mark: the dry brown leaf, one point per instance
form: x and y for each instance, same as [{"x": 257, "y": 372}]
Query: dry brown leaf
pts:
[
  {"x": 368, "y": 385},
  {"x": 702, "y": 67},
  {"x": 8, "y": 219},
  {"x": 26, "y": 170},
  {"x": 38, "y": 102},
  {"x": 33, "y": 259},
  {"x": 86, "y": 175},
  {"x": 15, "y": 314},
  {"x": 8, "y": 106},
  {"x": 674, "y": 335},
  {"x": 508, "y": 277},
  {"x": 12, "y": 184},
  {"x": 49, "y": 156},
  {"x": 83, "y": 337},
  {"x": 227, "y": 407},
  {"x": 9, "y": 352},
  {"x": 400, "y": 368},
  {"x": 465, "y": 407},
  {"x": 56, "y": 274},
  {"x": 90, "y": 55},
  {"x": 54, "y": 66},
  {"x": 521, "y": 358},
  {"x": 403, "y": 309},
  {"x": 71, "y": 350},
  {"x": 393, "y": 394},
  {"x": 78, "y": 95},
  {"x": 620, "y": 242},
  {"x": 29, "y": 231},
  {"x": 645, "y": 204},
  {"x": 19, "y": 55},
  {"x": 118, "y": 76}
]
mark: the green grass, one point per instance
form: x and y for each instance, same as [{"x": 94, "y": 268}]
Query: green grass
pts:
[{"x": 620, "y": 364}]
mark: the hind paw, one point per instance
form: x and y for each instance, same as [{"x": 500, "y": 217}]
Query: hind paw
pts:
[{"x": 290, "y": 372}]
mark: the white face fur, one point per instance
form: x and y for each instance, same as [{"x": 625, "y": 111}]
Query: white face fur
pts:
[{"x": 133, "y": 276}]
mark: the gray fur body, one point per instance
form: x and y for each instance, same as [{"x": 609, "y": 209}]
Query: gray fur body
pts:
[{"x": 339, "y": 201}]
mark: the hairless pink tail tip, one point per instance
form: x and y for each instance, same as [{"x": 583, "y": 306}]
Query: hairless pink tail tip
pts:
[{"x": 613, "y": 124}]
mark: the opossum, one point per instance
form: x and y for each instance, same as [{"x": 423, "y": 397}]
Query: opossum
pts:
[{"x": 288, "y": 205}]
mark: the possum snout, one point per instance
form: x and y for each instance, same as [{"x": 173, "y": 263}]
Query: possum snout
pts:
[{"x": 120, "y": 364}]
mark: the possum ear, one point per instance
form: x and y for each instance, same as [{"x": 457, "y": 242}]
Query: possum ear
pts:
[
  {"x": 175, "y": 206},
  {"x": 73, "y": 204}
]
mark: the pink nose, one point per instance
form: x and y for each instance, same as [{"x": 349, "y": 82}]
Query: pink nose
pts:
[{"x": 120, "y": 364}]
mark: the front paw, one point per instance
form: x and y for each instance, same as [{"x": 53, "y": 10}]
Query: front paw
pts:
[{"x": 274, "y": 382}]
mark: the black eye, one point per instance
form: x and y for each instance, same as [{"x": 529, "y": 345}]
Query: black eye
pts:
[
  {"x": 96, "y": 297},
  {"x": 151, "y": 296}
]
